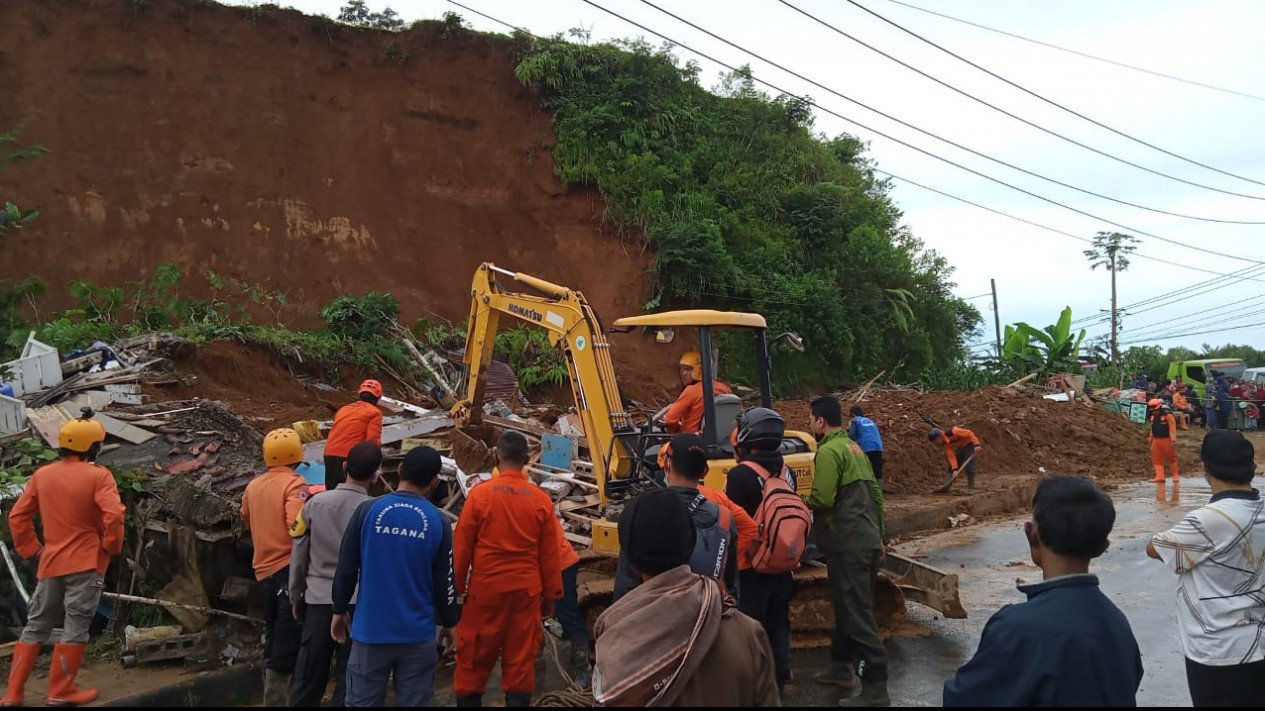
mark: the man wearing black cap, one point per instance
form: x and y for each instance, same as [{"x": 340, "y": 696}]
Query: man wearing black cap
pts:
[
  {"x": 1218, "y": 552},
  {"x": 716, "y": 545},
  {"x": 677, "y": 639}
]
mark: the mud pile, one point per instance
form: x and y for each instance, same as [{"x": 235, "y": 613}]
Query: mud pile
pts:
[
  {"x": 300, "y": 155},
  {"x": 1021, "y": 434}
]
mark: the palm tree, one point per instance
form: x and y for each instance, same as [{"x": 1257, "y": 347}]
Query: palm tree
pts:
[{"x": 1111, "y": 250}]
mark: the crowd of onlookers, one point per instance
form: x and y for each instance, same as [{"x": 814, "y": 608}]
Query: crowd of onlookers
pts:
[{"x": 1226, "y": 403}]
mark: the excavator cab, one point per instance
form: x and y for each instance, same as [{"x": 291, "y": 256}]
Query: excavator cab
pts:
[{"x": 720, "y": 411}]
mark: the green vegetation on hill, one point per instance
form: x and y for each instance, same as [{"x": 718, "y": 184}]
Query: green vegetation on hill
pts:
[{"x": 748, "y": 209}]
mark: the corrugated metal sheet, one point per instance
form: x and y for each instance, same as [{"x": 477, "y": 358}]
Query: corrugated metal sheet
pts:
[{"x": 502, "y": 384}]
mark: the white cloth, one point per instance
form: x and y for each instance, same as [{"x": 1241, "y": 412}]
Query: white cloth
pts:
[{"x": 1218, "y": 552}]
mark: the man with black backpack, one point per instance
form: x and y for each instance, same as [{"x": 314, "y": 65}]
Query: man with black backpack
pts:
[
  {"x": 765, "y": 488},
  {"x": 716, "y": 545}
]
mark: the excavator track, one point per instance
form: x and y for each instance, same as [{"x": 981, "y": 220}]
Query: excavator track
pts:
[{"x": 812, "y": 614}]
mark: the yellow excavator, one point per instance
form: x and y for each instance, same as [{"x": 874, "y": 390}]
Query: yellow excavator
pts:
[{"x": 624, "y": 452}]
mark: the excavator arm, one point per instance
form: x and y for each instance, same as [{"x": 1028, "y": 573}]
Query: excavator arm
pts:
[{"x": 575, "y": 329}]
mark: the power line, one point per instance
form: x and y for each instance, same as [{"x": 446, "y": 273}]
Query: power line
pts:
[
  {"x": 1196, "y": 317},
  {"x": 998, "y": 109},
  {"x": 1052, "y": 229},
  {"x": 1170, "y": 336},
  {"x": 1050, "y": 101},
  {"x": 924, "y": 131},
  {"x": 1083, "y": 54},
  {"x": 1187, "y": 292},
  {"x": 911, "y": 182},
  {"x": 911, "y": 146}
]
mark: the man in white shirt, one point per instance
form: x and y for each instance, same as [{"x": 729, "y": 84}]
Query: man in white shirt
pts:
[{"x": 1218, "y": 552}]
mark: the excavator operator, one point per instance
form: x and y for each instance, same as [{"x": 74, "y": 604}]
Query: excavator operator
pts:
[{"x": 686, "y": 414}]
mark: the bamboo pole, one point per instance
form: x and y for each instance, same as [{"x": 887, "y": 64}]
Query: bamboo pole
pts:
[{"x": 167, "y": 603}]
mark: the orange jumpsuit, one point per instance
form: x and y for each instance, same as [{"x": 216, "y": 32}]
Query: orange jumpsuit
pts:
[
  {"x": 270, "y": 504},
  {"x": 79, "y": 506},
  {"x": 506, "y": 555},
  {"x": 961, "y": 438},
  {"x": 355, "y": 423},
  {"x": 1181, "y": 409},
  {"x": 1163, "y": 441},
  {"x": 747, "y": 527},
  {"x": 686, "y": 414}
]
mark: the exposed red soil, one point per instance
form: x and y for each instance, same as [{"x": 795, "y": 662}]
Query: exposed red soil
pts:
[
  {"x": 299, "y": 155},
  {"x": 255, "y": 385},
  {"x": 1020, "y": 433}
]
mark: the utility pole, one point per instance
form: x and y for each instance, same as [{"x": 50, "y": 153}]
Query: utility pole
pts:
[
  {"x": 1115, "y": 321},
  {"x": 996, "y": 317}
]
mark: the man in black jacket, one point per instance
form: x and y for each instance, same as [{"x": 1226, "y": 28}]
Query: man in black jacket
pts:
[{"x": 765, "y": 597}]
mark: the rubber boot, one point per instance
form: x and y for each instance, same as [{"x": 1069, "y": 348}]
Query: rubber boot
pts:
[
  {"x": 276, "y": 688},
  {"x": 838, "y": 674},
  {"x": 970, "y": 483},
  {"x": 24, "y": 654},
  {"x": 473, "y": 700},
  {"x": 61, "y": 677},
  {"x": 873, "y": 693},
  {"x": 580, "y": 672},
  {"x": 517, "y": 698}
]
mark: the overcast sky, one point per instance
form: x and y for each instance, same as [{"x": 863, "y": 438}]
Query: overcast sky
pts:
[{"x": 1038, "y": 272}]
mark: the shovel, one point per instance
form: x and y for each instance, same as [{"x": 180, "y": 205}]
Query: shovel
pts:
[{"x": 949, "y": 483}]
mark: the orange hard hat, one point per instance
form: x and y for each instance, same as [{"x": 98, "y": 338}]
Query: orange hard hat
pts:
[
  {"x": 372, "y": 387},
  {"x": 1154, "y": 403}
]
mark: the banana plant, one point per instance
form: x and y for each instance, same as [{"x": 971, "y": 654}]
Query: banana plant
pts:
[{"x": 1049, "y": 350}]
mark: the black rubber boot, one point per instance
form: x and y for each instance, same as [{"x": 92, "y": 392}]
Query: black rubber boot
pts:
[
  {"x": 517, "y": 698},
  {"x": 838, "y": 674},
  {"x": 873, "y": 693},
  {"x": 580, "y": 672},
  {"x": 471, "y": 700}
]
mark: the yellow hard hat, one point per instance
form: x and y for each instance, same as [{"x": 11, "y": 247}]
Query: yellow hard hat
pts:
[
  {"x": 694, "y": 360},
  {"x": 79, "y": 435},
  {"x": 283, "y": 447}
]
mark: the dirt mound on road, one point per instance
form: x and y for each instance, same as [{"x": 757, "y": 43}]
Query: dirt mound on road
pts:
[{"x": 1021, "y": 434}]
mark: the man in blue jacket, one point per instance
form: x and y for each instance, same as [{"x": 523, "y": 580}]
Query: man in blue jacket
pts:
[
  {"x": 864, "y": 432},
  {"x": 399, "y": 548},
  {"x": 1068, "y": 645}
]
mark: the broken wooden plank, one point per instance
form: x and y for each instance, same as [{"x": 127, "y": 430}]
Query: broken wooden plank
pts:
[
  {"x": 408, "y": 406},
  {"x": 81, "y": 363},
  {"x": 585, "y": 541},
  {"x": 506, "y": 423},
  {"x": 536, "y": 469},
  {"x": 47, "y": 421},
  {"x": 577, "y": 517},
  {"x": 123, "y": 430}
]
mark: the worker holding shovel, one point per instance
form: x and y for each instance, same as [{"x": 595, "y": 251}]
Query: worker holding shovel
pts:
[{"x": 962, "y": 448}]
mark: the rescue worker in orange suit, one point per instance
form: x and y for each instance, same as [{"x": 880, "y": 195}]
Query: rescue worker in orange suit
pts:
[
  {"x": 509, "y": 573},
  {"x": 361, "y": 421},
  {"x": 1163, "y": 439},
  {"x": 1181, "y": 409},
  {"x": 962, "y": 448},
  {"x": 78, "y": 503},
  {"x": 686, "y": 414},
  {"x": 270, "y": 506}
]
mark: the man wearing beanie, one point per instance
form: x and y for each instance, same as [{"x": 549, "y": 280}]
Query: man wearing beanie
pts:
[
  {"x": 676, "y": 639},
  {"x": 1218, "y": 553},
  {"x": 716, "y": 543}
]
